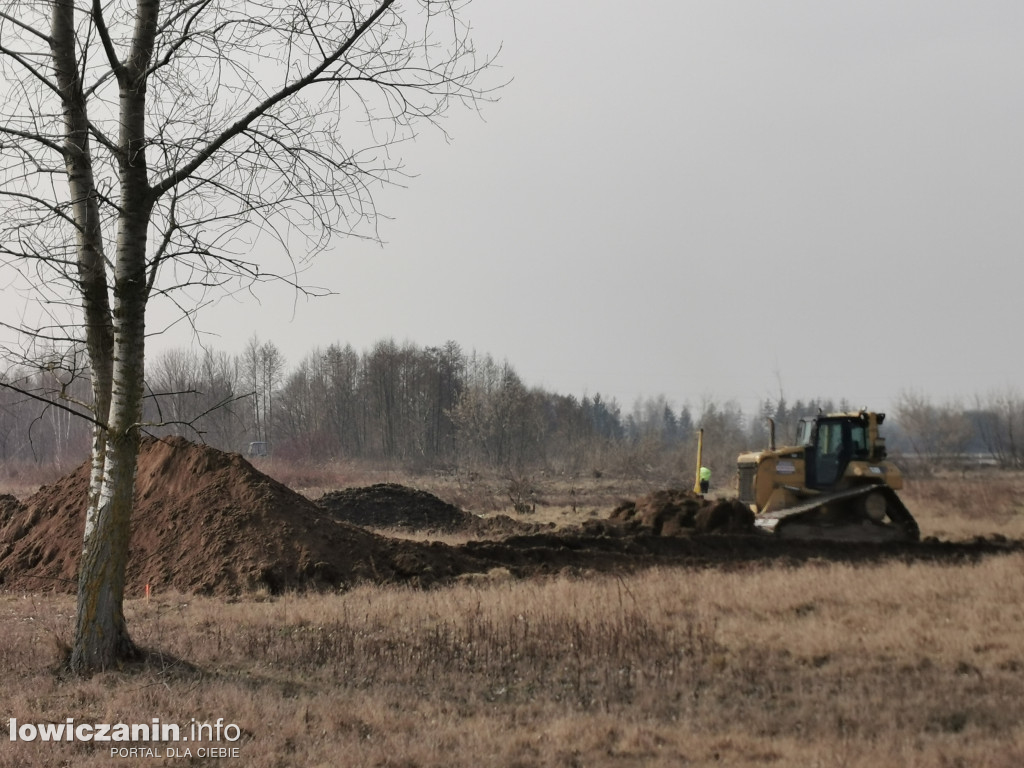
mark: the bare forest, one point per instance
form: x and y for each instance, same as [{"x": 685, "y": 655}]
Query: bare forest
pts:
[{"x": 427, "y": 409}]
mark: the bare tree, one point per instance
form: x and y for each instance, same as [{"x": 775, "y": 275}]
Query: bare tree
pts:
[
  {"x": 999, "y": 419},
  {"x": 937, "y": 433},
  {"x": 37, "y": 424},
  {"x": 500, "y": 421},
  {"x": 195, "y": 393},
  {"x": 147, "y": 147},
  {"x": 263, "y": 368}
]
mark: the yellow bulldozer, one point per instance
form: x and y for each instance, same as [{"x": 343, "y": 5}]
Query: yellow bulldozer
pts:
[{"x": 834, "y": 484}]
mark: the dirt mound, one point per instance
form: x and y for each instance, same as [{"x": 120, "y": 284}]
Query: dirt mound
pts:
[
  {"x": 389, "y": 505},
  {"x": 500, "y": 526},
  {"x": 207, "y": 521},
  {"x": 674, "y": 512},
  {"x": 725, "y": 516}
]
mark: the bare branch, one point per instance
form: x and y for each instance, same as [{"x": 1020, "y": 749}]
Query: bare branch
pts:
[
  {"x": 43, "y": 399},
  {"x": 116, "y": 67},
  {"x": 191, "y": 423},
  {"x": 265, "y": 106}
]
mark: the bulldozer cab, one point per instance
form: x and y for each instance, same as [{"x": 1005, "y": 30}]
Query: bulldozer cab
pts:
[{"x": 831, "y": 442}]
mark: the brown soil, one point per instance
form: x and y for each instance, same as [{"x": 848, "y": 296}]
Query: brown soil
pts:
[
  {"x": 675, "y": 512},
  {"x": 9, "y": 506},
  {"x": 204, "y": 521},
  {"x": 391, "y": 506},
  {"x": 208, "y": 522}
]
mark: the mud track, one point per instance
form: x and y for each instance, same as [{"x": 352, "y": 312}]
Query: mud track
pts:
[{"x": 528, "y": 555}]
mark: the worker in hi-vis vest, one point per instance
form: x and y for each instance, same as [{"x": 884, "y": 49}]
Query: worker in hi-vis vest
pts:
[{"x": 705, "y": 479}]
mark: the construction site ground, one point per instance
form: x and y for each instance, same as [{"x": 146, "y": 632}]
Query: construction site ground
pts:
[
  {"x": 399, "y": 622},
  {"x": 211, "y": 523}
]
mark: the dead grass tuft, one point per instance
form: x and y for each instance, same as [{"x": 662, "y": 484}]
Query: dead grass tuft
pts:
[{"x": 965, "y": 505}]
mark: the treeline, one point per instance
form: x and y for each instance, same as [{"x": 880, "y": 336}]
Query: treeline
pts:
[
  {"x": 988, "y": 431},
  {"x": 443, "y": 408}
]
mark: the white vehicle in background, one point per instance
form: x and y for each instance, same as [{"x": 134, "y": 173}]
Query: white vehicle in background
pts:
[{"x": 258, "y": 449}]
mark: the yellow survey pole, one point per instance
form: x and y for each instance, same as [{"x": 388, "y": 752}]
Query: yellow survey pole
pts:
[{"x": 700, "y": 450}]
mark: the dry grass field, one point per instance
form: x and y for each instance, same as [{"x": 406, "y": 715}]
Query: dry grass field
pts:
[{"x": 827, "y": 664}]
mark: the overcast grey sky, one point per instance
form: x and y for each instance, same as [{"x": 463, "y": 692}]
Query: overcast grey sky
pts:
[{"x": 707, "y": 198}]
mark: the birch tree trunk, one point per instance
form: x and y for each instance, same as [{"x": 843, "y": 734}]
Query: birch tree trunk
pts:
[
  {"x": 101, "y": 635},
  {"x": 85, "y": 207}
]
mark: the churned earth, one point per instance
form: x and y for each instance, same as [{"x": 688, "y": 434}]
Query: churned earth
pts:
[{"x": 209, "y": 522}]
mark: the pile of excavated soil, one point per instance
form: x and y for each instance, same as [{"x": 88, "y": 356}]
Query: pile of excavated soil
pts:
[
  {"x": 393, "y": 506},
  {"x": 206, "y": 521},
  {"x": 674, "y": 512},
  {"x": 389, "y": 505}
]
